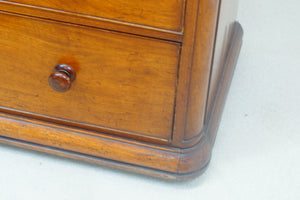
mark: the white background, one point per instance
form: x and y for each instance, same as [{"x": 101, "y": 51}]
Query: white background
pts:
[{"x": 257, "y": 151}]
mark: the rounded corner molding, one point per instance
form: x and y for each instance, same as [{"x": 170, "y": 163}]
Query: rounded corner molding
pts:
[{"x": 154, "y": 105}]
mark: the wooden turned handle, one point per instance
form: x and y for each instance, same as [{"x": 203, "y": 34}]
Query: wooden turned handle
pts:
[{"x": 62, "y": 77}]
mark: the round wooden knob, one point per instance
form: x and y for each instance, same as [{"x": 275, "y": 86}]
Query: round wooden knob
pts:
[{"x": 62, "y": 77}]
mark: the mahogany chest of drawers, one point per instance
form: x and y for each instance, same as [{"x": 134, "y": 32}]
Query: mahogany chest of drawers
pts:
[{"x": 137, "y": 85}]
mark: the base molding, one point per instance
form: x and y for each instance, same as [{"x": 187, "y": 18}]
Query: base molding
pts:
[{"x": 140, "y": 157}]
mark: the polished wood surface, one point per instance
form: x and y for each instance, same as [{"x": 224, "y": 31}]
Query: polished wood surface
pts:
[
  {"x": 123, "y": 82},
  {"x": 197, "y": 51},
  {"x": 199, "y": 75},
  {"x": 86, "y": 144},
  {"x": 149, "y": 90},
  {"x": 164, "y": 14},
  {"x": 91, "y": 21},
  {"x": 136, "y": 156},
  {"x": 62, "y": 77}
]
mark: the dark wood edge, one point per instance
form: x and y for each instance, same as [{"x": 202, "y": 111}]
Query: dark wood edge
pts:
[
  {"x": 184, "y": 71},
  {"x": 232, "y": 54},
  {"x": 187, "y": 163},
  {"x": 86, "y": 158},
  {"x": 196, "y": 161},
  {"x": 95, "y": 22},
  {"x": 101, "y": 161},
  {"x": 196, "y": 53}
]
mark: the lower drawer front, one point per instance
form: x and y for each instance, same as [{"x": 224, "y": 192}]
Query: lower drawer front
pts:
[{"x": 122, "y": 82}]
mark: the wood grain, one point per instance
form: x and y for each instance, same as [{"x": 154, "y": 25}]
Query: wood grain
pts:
[
  {"x": 123, "y": 82},
  {"x": 163, "y": 14},
  {"x": 89, "y": 145},
  {"x": 126, "y": 154},
  {"x": 200, "y": 72},
  {"x": 195, "y": 62},
  {"x": 140, "y": 101},
  {"x": 90, "y": 21}
]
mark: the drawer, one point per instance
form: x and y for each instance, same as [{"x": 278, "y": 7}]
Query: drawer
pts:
[
  {"x": 163, "y": 14},
  {"x": 124, "y": 84}
]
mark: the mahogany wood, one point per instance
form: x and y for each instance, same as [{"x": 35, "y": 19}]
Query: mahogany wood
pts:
[
  {"x": 164, "y": 14},
  {"x": 197, "y": 49},
  {"x": 149, "y": 89},
  {"x": 123, "y": 82},
  {"x": 131, "y": 155},
  {"x": 92, "y": 21},
  {"x": 62, "y": 77}
]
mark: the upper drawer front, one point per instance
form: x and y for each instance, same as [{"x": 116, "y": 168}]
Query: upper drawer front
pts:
[
  {"x": 123, "y": 82},
  {"x": 164, "y": 14}
]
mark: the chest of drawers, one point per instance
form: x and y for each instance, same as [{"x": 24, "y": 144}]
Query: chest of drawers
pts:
[{"x": 136, "y": 85}]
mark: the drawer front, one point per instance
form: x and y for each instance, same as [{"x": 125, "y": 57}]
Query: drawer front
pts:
[
  {"x": 122, "y": 82},
  {"x": 164, "y": 14}
]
